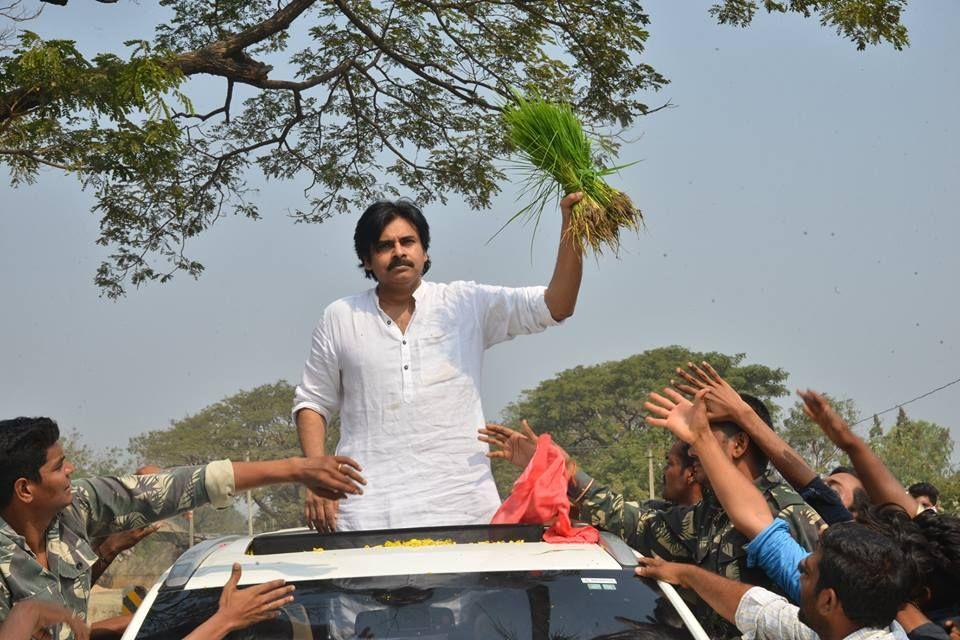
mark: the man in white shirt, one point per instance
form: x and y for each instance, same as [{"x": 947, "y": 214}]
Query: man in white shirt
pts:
[
  {"x": 402, "y": 363},
  {"x": 850, "y": 589}
]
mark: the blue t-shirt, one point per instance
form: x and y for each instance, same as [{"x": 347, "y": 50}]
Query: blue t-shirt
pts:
[{"x": 776, "y": 552}]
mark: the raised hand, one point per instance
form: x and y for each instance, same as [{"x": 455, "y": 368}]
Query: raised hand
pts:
[
  {"x": 723, "y": 401},
  {"x": 116, "y": 543},
  {"x": 686, "y": 420},
  {"x": 835, "y": 428},
  {"x": 515, "y": 446}
]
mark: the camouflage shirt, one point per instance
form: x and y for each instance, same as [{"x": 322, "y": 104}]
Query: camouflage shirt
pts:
[
  {"x": 700, "y": 534},
  {"x": 100, "y": 506}
]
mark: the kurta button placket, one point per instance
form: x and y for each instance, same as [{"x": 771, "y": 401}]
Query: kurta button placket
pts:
[{"x": 405, "y": 361}]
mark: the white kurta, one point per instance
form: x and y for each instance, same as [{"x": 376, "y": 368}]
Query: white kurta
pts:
[{"x": 410, "y": 403}]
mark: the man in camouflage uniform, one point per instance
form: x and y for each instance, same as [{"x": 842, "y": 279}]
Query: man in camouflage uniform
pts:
[
  {"x": 47, "y": 522},
  {"x": 702, "y": 534}
]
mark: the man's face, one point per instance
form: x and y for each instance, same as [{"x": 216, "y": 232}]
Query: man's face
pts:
[
  {"x": 844, "y": 484},
  {"x": 53, "y": 492},
  {"x": 397, "y": 258},
  {"x": 809, "y": 574},
  {"x": 925, "y": 502},
  {"x": 726, "y": 443},
  {"x": 674, "y": 475}
]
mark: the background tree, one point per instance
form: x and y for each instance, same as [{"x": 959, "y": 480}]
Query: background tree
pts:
[
  {"x": 255, "y": 423},
  {"x": 808, "y": 439},
  {"x": 596, "y": 412},
  {"x": 367, "y": 99},
  {"x": 916, "y": 450}
]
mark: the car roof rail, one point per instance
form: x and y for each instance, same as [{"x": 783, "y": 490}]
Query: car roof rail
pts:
[
  {"x": 297, "y": 541},
  {"x": 191, "y": 559},
  {"x": 618, "y": 549}
]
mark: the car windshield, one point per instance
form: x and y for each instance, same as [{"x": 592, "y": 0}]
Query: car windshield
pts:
[{"x": 529, "y": 605}]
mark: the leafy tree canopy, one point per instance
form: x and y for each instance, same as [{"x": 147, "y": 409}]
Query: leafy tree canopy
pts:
[
  {"x": 915, "y": 450},
  {"x": 365, "y": 99}
]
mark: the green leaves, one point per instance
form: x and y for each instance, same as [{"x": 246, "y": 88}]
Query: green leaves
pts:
[
  {"x": 375, "y": 100},
  {"x": 864, "y": 22}
]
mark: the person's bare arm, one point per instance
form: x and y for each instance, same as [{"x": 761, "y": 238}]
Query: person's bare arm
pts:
[
  {"x": 743, "y": 502},
  {"x": 110, "y": 628},
  {"x": 880, "y": 484},
  {"x": 331, "y": 476},
  {"x": 241, "y": 608},
  {"x": 722, "y": 594},
  {"x": 564, "y": 287},
  {"x": 320, "y": 512},
  {"x": 115, "y": 544},
  {"x": 724, "y": 403}
]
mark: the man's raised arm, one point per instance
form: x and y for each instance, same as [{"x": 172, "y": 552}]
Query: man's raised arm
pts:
[
  {"x": 561, "y": 294},
  {"x": 724, "y": 403}
]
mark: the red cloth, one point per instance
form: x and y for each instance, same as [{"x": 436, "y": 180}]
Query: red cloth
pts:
[{"x": 540, "y": 496}]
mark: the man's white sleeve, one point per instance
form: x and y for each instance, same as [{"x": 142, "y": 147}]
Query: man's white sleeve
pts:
[
  {"x": 506, "y": 312},
  {"x": 319, "y": 388},
  {"x": 763, "y": 615}
]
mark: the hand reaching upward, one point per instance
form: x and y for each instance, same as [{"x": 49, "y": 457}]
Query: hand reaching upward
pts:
[
  {"x": 723, "y": 402},
  {"x": 686, "y": 420},
  {"x": 515, "y": 446},
  {"x": 821, "y": 412}
]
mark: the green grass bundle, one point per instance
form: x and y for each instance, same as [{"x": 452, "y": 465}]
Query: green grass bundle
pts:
[{"x": 550, "y": 137}]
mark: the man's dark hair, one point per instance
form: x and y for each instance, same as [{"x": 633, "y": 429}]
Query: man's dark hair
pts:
[
  {"x": 730, "y": 429},
  {"x": 683, "y": 452},
  {"x": 23, "y": 450},
  {"x": 871, "y": 576},
  {"x": 941, "y": 534},
  {"x": 925, "y": 489},
  {"x": 375, "y": 219},
  {"x": 844, "y": 469}
]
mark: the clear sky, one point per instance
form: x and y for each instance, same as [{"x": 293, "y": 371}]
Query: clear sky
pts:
[{"x": 801, "y": 204}]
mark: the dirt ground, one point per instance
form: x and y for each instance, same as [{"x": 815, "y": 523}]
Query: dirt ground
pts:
[{"x": 104, "y": 603}]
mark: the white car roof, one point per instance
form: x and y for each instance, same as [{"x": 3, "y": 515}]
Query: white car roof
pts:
[{"x": 293, "y": 567}]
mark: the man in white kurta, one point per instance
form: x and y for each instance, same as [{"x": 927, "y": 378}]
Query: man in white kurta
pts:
[{"x": 402, "y": 364}]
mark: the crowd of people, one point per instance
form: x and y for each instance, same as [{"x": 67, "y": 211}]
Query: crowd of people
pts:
[
  {"x": 759, "y": 552},
  {"x": 852, "y": 555}
]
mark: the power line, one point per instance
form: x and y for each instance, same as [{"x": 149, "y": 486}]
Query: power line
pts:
[{"x": 903, "y": 404}]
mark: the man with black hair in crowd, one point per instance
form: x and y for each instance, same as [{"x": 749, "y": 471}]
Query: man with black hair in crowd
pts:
[
  {"x": 680, "y": 484},
  {"x": 47, "y": 521},
  {"x": 851, "y": 588},
  {"x": 402, "y": 363},
  {"x": 701, "y": 534},
  {"x": 926, "y": 495},
  {"x": 837, "y": 497}
]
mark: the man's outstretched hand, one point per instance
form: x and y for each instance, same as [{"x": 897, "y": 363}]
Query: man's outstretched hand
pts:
[
  {"x": 515, "y": 446},
  {"x": 657, "y": 569},
  {"x": 821, "y": 412},
  {"x": 332, "y": 477},
  {"x": 686, "y": 420},
  {"x": 723, "y": 401}
]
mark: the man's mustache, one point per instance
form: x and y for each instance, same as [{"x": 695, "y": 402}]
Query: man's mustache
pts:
[{"x": 399, "y": 262}]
